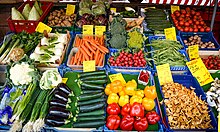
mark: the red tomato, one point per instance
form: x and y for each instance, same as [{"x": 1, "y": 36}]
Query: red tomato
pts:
[
  {"x": 181, "y": 23},
  {"x": 195, "y": 30},
  {"x": 208, "y": 29},
  {"x": 177, "y": 13},
  {"x": 197, "y": 22},
  {"x": 199, "y": 26},
  {"x": 186, "y": 24},
  {"x": 175, "y": 22},
  {"x": 202, "y": 22},
  {"x": 187, "y": 9},
  {"x": 190, "y": 29},
  {"x": 181, "y": 19},
  {"x": 194, "y": 26},
  {"x": 183, "y": 11},
  {"x": 187, "y": 15},
  {"x": 197, "y": 14},
  {"x": 186, "y": 29},
  {"x": 193, "y": 12},
  {"x": 190, "y": 21},
  {"x": 202, "y": 29},
  {"x": 182, "y": 15},
  {"x": 178, "y": 27},
  {"x": 181, "y": 30}
]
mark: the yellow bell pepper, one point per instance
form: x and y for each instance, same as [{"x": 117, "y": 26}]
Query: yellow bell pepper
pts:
[
  {"x": 135, "y": 98},
  {"x": 116, "y": 86},
  {"x": 108, "y": 90},
  {"x": 150, "y": 92},
  {"x": 112, "y": 98},
  {"x": 122, "y": 93},
  {"x": 130, "y": 88},
  {"x": 123, "y": 100},
  {"x": 148, "y": 104},
  {"x": 140, "y": 93}
]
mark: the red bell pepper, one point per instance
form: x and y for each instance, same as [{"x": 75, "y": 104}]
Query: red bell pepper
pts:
[
  {"x": 152, "y": 117},
  {"x": 126, "y": 109},
  {"x": 113, "y": 122},
  {"x": 113, "y": 109},
  {"x": 141, "y": 124},
  {"x": 127, "y": 123},
  {"x": 137, "y": 110}
]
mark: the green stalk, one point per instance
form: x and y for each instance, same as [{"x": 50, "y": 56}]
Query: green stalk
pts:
[{"x": 7, "y": 39}]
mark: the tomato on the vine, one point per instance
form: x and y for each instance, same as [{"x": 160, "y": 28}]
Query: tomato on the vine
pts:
[{"x": 208, "y": 29}]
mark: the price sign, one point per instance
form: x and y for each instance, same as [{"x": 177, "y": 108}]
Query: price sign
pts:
[
  {"x": 41, "y": 27},
  {"x": 87, "y": 29},
  {"x": 99, "y": 30},
  {"x": 170, "y": 33},
  {"x": 117, "y": 76},
  {"x": 64, "y": 80},
  {"x": 199, "y": 71},
  {"x": 164, "y": 74},
  {"x": 218, "y": 120},
  {"x": 113, "y": 10},
  {"x": 88, "y": 66},
  {"x": 193, "y": 52},
  {"x": 174, "y": 8},
  {"x": 70, "y": 9}
]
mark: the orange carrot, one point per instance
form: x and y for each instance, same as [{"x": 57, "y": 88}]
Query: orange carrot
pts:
[
  {"x": 96, "y": 57},
  {"x": 89, "y": 47},
  {"x": 101, "y": 48},
  {"x": 86, "y": 50},
  {"x": 101, "y": 59},
  {"x": 72, "y": 60},
  {"x": 85, "y": 55}
]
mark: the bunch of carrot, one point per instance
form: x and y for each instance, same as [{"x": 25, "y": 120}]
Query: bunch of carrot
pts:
[{"x": 89, "y": 48}]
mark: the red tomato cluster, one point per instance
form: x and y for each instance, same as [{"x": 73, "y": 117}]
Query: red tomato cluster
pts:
[
  {"x": 212, "y": 62},
  {"x": 189, "y": 20}
]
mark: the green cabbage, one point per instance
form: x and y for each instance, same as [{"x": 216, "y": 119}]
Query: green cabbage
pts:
[
  {"x": 34, "y": 15},
  {"x": 26, "y": 11},
  {"x": 16, "y": 15}
]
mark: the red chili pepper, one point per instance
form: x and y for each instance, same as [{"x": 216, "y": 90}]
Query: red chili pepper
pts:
[
  {"x": 126, "y": 109},
  {"x": 113, "y": 122},
  {"x": 152, "y": 117},
  {"x": 113, "y": 109},
  {"x": 137, "y": 110},
  {"x": 141, "y": 124},
  {"x": 127, "y": 123}
]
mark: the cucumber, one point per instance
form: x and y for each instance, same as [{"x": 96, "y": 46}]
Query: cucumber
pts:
[
  {"x": 89, "y": 124},
  {"x": 100, "y": 81},
  {"x": 92, "y": 86},
  {"x": 92, "y": 113},
  {"x": 91, "y": 91},
  {"x": 98, "y": 100},
  {"x": 93, "y": 73},
  {"x": 91, "y": 118},
  {"x": 98, "y": 77},
  {"x": 84, "y": 97},
  {"x": 91, "y": 107}
]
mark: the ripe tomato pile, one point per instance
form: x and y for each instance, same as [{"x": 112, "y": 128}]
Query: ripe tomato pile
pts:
[
  {"x": 189, "y": 20},
  {"x": 212, "y": 62}
]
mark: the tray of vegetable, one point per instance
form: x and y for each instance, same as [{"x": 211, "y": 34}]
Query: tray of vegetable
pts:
[
  {"x": 28, "y": 15},
  {"x": 191, "y": 99},
  {"x": 59, "y": 21},
  {"x": 86, "y": 48},
  {"x": 168, "y": 51},
  {"x": 205, "y": 41},
  {"x": 211, "y": 59},
  {"x": 126, "y": 12},
  {"x": 122, "y": 104},
  {"x": 51, "y": 50}
]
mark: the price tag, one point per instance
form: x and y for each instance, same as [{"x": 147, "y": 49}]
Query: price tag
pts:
[
  {"x": 170, "y": 33},
  {"x": 64, "y": 80},
  {"x": 117, "y": 76},
  {"x": 218, "y": 121},
  {"x": 164, "y": 74},
  {"x": 113, "y": 10},
  {"x": 41, "y": 27},
  {"x": 99, "y": 30},
  {"x": 87, "y": 29},
  {"x": 88, "y": 66},
  {"x": 174, "y": 8},
  {"x": 70, "y": 9},
  {"x": 199, "y": 71},
  {"x": 193, "y": 52}
]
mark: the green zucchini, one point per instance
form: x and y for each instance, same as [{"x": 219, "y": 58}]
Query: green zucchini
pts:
[
  {"x": 91, "y": 107},
  {"x": 84, "y": 97},
  {"x": 97, "y": 100},
  {"x": 91, "y": 118},
  {"x": 91, "y": 91},
  {"x": 93, "y": 73},
  {"x": 92, "y": 86},
  {"x": 100, "y": 81},
  {"x": 92, "y": 113},
  {"x": 98, "y": 77},
  {"x": 89, "y": 124}
]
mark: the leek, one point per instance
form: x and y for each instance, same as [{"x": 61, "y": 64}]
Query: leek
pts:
[{"x": 6, "y": 41}]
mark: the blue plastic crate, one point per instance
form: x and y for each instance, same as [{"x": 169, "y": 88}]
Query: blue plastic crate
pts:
[
  {"x": 187, "y": 81},
  {"x": 205, "y": 36},
  {"x": 123, "y": 68}
]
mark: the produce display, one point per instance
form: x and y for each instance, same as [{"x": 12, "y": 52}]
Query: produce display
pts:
[
  {"x": 59, "y": 18},
  {"x": 136, "y": 39},
  {"x": 196, "y": 112},
  {"x": 189, "y": 20},
  {"x": 128, "y": 14},
  {"x": 212, "y": 62},
  {"x": 89, "y": 48},
  {"x": 132, "y": 24},
  {"x": 156, "y": 19},
  {"x": 197, "y": 40},
  {"x": 28, "y": 13},
  {"x": 167, "y": 51}
]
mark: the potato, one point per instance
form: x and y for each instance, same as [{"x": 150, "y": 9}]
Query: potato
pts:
[{"x": 67, "y": 23}]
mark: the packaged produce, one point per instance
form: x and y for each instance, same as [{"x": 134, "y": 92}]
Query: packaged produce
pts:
[
  {"x": 143, "y": 77},
  {"x": 197, "y": 40},
  {"x": 189, "y": 20},
  {"x": 212, "y": 62},
  {"x": 196, "y": 113}
]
